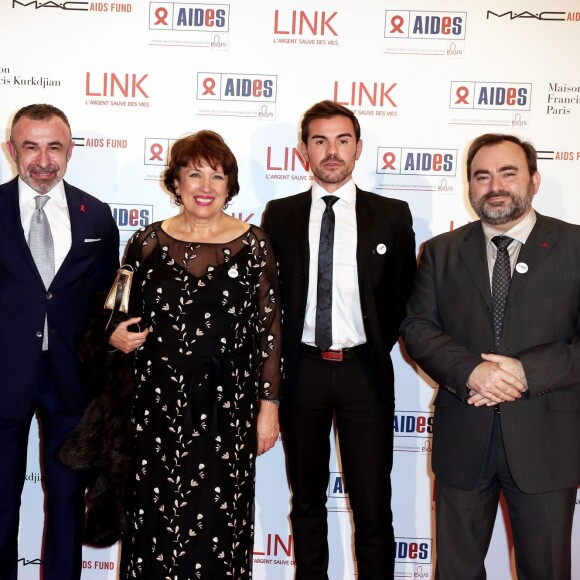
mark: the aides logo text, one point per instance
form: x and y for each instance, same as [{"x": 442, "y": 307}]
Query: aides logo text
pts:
[
  {"x": 490, "y": 96},
  {"x": 412, "y": 423},
  {"x": 413, "y": 432},
  {"x": 419, "y": 24},
  {"x": 413, "y": 550},
  {"x": 236, "y": 87},
  {"x": 189, "y": 17},
  {"x": 415, "y": 161},
  {"x": 131, "y": 217}
]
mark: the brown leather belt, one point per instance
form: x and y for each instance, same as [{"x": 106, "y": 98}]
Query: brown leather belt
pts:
[{"x": 352, "y": 353}]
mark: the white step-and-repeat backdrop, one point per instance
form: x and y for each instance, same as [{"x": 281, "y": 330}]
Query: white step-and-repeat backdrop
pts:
[{"x": 424, "y": 77}]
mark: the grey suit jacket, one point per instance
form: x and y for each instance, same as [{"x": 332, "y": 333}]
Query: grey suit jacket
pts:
[{"x": 449, "y": 324}]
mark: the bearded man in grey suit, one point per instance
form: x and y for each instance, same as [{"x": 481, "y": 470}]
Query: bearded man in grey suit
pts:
[{"x": 495, "y": 319}]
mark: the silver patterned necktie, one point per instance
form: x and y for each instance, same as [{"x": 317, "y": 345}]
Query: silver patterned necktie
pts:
[
  {"x": 42, "y": 249},
  {"x": 323, "y": 327},
  {"x": 500, "y": 285}
]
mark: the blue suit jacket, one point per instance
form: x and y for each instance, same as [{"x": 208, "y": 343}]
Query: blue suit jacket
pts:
[{"x": 89, "y": 266}]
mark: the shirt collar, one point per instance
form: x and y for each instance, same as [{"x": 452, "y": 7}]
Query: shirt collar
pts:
[
  {"x": 346, "y": 192},
  {"x": 26, "y": 194},
  {"x": 519, "y": 232}
]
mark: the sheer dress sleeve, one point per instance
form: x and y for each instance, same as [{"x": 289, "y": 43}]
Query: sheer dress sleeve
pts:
[
  {"x": 139, "y": 248},
  {"x": 269, "y": 321}
]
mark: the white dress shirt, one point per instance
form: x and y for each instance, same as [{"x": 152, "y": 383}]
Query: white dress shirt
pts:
[
  {"x": 56, "y": 210},
  {"x": 347, "y": 320},
  {"x": 520, "y": 233}
]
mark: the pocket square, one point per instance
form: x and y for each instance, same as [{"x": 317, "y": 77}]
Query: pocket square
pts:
[{"x": 87, "y": 240}]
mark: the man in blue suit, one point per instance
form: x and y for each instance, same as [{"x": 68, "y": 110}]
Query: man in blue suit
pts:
[{"x": 56, "y": 252}]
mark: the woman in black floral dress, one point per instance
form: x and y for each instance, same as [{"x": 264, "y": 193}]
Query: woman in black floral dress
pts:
[{"x": 207, "y": 371}]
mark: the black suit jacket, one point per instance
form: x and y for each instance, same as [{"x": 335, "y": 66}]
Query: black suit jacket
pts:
[
  {"x": 385, "y": 280},
  {"x": 449, "y": 324},
  {"x": 89, "y": 266}
]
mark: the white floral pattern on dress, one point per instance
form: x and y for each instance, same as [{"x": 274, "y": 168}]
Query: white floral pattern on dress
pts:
[{"x": 213, "y": 350}]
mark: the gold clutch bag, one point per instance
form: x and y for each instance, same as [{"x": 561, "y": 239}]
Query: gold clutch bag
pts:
[{"x": 118, "y": 297}]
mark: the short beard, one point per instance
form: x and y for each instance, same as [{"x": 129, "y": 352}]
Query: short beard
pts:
[
  {"x": 41, "y": 187},
  {"x": 518, "y": 207},
  {"x": 332, "y": 176}
]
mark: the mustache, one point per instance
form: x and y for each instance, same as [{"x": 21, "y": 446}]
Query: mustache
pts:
[
  {"x": 38, "y": 169},
  {"x": 332, "y": 159},
  {"x": 496, "y": 193}
]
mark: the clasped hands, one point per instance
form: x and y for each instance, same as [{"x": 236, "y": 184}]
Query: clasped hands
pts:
[{"x": 499, "y": 379}]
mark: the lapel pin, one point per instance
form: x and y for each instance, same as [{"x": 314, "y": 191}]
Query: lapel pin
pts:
[
  {"x": 83, "y": 207},
  {"x": 521, "y": 267},
  {"x": 544, "y": 245},
  {"x": 381, "y": 249}
]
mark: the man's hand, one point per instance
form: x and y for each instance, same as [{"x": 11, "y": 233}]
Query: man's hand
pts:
[
  {"x": 511, "y": 365},
  {"x": 125, "y": 340},
  {"x": 493, "y": 383}
]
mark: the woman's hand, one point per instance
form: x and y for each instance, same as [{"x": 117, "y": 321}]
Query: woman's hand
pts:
[
  {"x": 268, "y": 426},
  {"x": 125, "y": 340}
]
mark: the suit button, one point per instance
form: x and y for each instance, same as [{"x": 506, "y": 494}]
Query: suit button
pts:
[
  {"x": 48, "y": 295},
  {"x": 39, "y": 333}
]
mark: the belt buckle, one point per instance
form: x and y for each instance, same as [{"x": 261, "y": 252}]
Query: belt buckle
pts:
[{"x": 332, "y": 355}]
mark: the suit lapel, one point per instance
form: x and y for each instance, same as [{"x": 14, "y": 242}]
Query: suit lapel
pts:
[
  {"x": 363, "y": 238},
  {"x": 14, "y": 223},
  {"x": 474, "y": 256},
  {"x": 77, "y": 218},
  {"x": 539, "y": 244},
  {"x": 300, "y": 224}
]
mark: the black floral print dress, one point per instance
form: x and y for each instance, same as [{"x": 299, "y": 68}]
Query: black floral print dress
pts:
[{"x": 213, "y": 351}]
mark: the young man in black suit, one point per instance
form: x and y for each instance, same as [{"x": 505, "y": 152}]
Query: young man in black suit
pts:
[
  {"x": 495, "y": 319},
  {"x": 347, "y": 263}
]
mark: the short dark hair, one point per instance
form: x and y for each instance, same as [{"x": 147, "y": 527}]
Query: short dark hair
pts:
[
  {"x": 202, "y": 147},
  {"x": 325, "y": 110},
  {"x": 39, "y": 112},
  {"x": 497, "y": 138}
]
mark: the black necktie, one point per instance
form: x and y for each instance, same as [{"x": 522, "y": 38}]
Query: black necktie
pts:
[
  {"x": 323, "y": 329},
  {"x": 500, "y": 284}
]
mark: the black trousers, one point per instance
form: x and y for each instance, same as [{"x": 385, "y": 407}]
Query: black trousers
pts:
[
  {"x": 365, "y": 430},
  {"x": 541, "y": 523},
  {"x": 64, "y": 489}
]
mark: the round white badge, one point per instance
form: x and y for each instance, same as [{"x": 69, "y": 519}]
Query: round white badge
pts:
[
  {"x": 381, "y": 249},
  {"x": 521, "y": 267}
]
